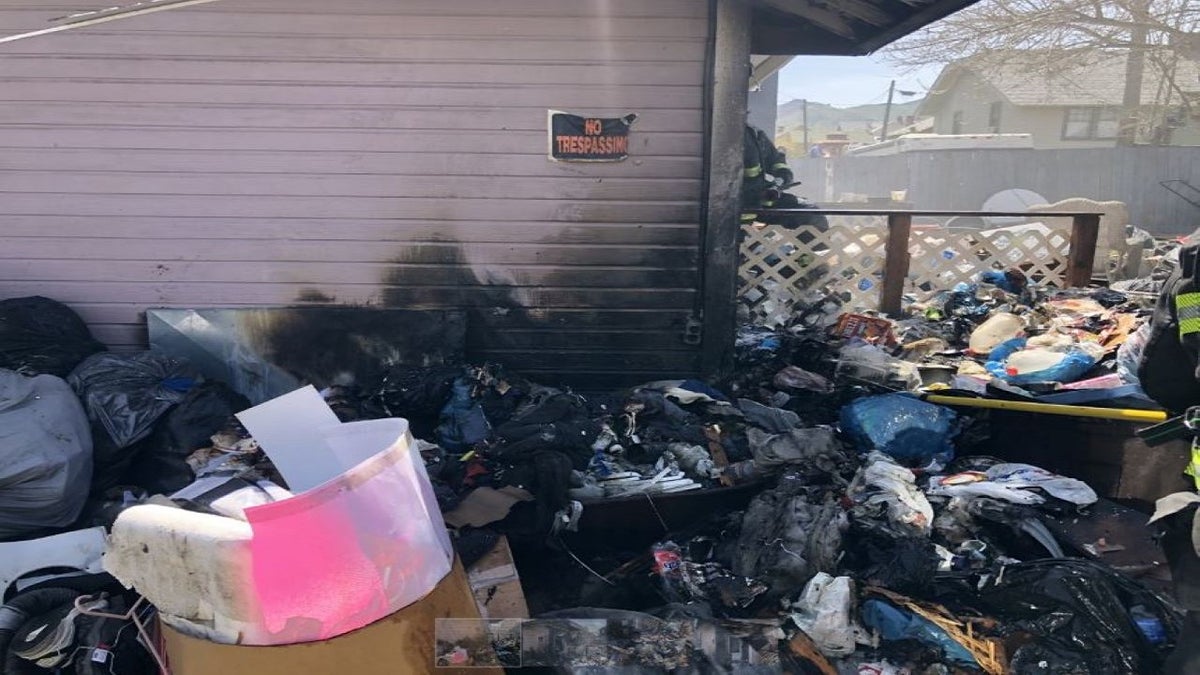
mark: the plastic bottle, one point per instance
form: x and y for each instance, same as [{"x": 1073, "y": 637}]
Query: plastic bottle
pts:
[
  {"x": 742, "y": 472},
  {"x": 693, "y": 459}
]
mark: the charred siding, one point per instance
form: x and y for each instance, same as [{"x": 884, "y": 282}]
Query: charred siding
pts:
[{"x": 271, "y": 152}]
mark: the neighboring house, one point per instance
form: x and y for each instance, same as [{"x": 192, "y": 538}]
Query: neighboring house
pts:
[
  {"x": 394, "y": 153},
  {"x": 1072, "y": 106}
]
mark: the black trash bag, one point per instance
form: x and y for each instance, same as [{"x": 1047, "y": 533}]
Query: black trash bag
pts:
[
  {"x": 903, "y": 564},
  {"x": 161, "y": 466},
  {"x": 127, "y": 393},
  {"x": 1081, "y": 609},
  {"x": 40, "y": 336},
  {"x": 110, "y": 461},
  {"x": 1047, "y": 656}
]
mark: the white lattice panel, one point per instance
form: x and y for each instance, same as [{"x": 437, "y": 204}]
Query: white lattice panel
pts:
[
  {"x": 782, "y": 269},
  {"x": 943, "y": 258}
]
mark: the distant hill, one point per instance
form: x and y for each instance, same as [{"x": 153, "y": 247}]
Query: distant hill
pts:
[{"x": 860, "y": 122}]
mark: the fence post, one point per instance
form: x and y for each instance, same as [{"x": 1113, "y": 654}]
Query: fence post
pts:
[
  {"x": 1085, "y": 230},
  {"x": 895, "y": 263}
]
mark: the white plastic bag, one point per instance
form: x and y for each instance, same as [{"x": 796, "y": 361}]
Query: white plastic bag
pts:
[
  {"x": 864, "y": 361},
  {"x": 883, "y": 481},
  {"x": 826, "y": 609}
]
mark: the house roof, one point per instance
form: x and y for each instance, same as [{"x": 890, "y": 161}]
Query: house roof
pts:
[
  {"x": 1041, "y": 79},
  {"x": 841, "y": 27},
  {"x": 780, "y": 27}
]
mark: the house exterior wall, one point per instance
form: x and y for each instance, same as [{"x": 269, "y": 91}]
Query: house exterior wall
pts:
[
  {"x": 974, "y": 96},
  {"x": 763, "y": 105},
  {"x": 971, "y": 96},
  {"x": 271, "y": 153},
  {"x": 1045, "y": 123},
  {"x": 1188, "y": 134}
]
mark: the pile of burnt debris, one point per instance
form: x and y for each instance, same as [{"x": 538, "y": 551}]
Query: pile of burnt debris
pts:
[{"x": 812, "y": 512}]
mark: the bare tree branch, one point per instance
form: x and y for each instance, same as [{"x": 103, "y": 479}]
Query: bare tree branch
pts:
[{"x": 996, "y": 34}]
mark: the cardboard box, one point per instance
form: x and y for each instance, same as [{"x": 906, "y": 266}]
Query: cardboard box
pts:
[
  {"x": 875, "y": 330},
  {"x": 496, "y": 585},
  {"x": 400, "y": 643}
]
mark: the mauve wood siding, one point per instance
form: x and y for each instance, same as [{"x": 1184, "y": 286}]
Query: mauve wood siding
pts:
[{"x": 382, "y": 152}]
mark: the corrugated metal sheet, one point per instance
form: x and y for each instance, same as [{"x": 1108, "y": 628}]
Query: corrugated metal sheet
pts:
[{"x": 272, "y": 152}]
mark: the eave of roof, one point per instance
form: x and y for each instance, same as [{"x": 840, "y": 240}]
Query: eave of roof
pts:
[{"x": 841, "y": 27}]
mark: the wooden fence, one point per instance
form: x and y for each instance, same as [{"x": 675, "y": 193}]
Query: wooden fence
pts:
[{"x": 963, "y": 179}]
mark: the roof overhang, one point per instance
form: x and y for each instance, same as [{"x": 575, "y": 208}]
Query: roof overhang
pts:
[
  {"x": 841, "y": 27},
  {"x": 763, "y": 67}
]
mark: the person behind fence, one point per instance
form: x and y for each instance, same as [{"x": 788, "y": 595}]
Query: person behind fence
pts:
[{"x": 765, "y": 180}]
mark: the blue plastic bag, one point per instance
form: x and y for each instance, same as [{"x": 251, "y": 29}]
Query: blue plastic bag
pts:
[
  {"x": 1076, "y": 363},
  {"x": 909, "y": 430},
  {"x": 893, "y": 623},
  {"x": 1000, "y": 280}
]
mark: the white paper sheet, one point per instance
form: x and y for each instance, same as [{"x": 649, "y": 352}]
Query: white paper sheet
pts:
[{"x": 290, "y": 430}]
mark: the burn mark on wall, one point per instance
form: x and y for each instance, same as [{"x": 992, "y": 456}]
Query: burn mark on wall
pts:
[
  {"x": 508, "y": 316},
  {"x": 339, "y": 345},
  {"x": 315, "y": 296}
]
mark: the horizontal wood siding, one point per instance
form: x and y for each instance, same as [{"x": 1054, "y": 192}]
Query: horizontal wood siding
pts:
[{"x": 374, "y": 152}]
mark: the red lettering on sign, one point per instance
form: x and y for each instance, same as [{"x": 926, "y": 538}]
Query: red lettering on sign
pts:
[
  {"x": 593, "y": 127},
  {"x": 591, "y": 145}
]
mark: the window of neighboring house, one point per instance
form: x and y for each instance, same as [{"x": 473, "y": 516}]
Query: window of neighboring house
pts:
[
  {"x": 1108, "y": 122},
  {"x": 956, "y": 123},
  {"x": 1083, "y": 124},
  {"x": 994, "y": 117}
]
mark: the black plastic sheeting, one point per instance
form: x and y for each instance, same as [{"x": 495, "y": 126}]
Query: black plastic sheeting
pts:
[
  {"x": 161, "y": 466},
  {"x": 127, "y": 393},
  {"x": 1070, "y": 616}
]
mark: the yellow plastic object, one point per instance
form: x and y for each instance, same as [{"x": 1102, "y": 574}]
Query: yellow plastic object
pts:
[
  {"x": 1193, "y": 467},
  {"x": 1124, "y": 414}
]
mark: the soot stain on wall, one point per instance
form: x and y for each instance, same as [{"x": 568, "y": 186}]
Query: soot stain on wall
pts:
[{"x": 342, "y": 345}]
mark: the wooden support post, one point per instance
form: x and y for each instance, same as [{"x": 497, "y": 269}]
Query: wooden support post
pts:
[
  {"x": 895, "y": 264},
  {"x": 1085, "y": 230}
]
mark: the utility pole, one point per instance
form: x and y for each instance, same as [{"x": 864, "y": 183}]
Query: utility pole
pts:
[
  {"x": 887, "y": 111},
  {"x": 804, "y": 118}
]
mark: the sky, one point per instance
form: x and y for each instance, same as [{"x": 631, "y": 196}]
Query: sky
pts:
[{"x": 849, "y": 80}]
